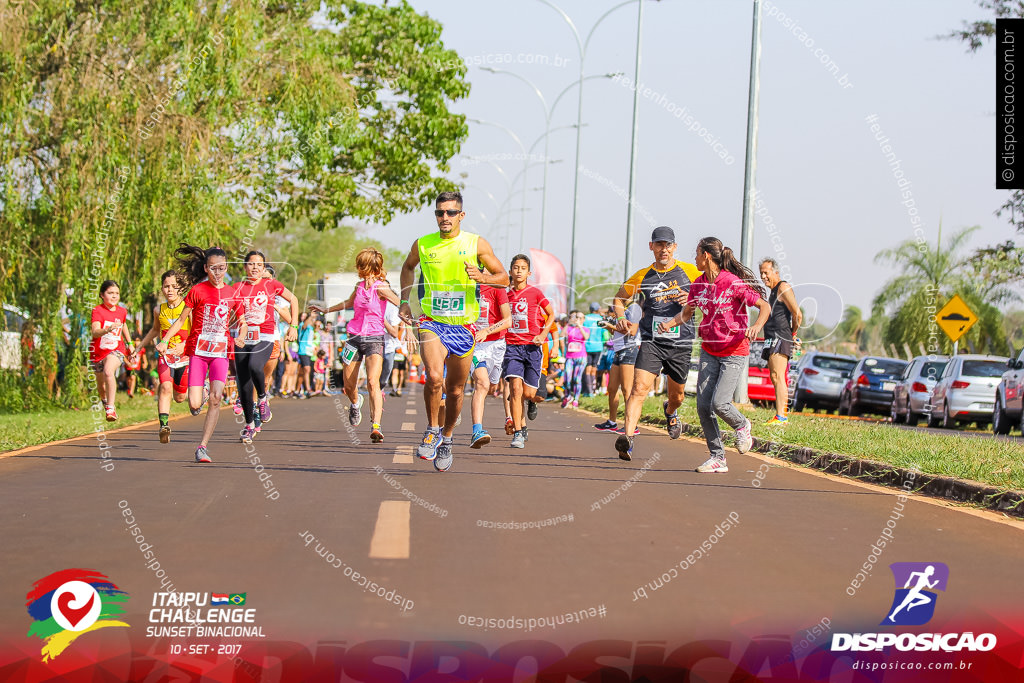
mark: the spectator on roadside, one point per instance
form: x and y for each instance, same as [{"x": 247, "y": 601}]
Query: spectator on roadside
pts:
[
  {"x": 595, "y": 348},
  {"x": 780, "y": 331}
]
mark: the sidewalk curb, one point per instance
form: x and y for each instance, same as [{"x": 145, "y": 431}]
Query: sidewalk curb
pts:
[{"x": 1009, "y": 502}]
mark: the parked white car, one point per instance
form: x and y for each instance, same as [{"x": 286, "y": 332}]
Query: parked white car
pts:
[{"x": 966, "y": 391}]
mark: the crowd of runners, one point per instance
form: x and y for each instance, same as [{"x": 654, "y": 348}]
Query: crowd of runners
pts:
[{"x": 477, "y": 323}]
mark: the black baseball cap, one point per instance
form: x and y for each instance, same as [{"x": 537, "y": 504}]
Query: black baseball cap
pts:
[{"x": 663, "y": 233}]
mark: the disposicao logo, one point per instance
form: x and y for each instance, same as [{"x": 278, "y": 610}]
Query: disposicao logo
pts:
[
  {"x": 69, "y": 603},
  {"x": 913, "y": 604}
]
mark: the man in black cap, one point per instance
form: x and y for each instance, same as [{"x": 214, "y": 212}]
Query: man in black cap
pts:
[{"x": 661, "y": 290}]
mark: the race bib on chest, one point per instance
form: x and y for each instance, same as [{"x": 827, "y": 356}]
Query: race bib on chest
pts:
[
  {"x": 252, "y": 334},
  {"x": 672, "y": 333},
  {"x": 213, "y": 339},
  {"x": 109, "y": 340},
  {"x": 485, "y": 308},
  {"x": 575, "y": 347},
  {"x": 448, "y": 303},
  {"x": 520, "y": 317}
]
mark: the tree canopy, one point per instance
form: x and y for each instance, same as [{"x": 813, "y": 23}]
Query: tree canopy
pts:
[{"x": 127, "y": 127}]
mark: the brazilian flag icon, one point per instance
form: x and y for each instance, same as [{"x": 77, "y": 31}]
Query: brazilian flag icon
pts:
[{"x": 237, "y": 598}]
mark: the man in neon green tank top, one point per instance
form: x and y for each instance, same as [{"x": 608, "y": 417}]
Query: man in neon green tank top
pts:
[{"x": 453, "y": 265}]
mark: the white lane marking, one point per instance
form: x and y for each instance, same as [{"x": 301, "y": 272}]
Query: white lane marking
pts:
[
  {"x": 408, "y": 426},
  {"x": 403, "y": 455},
  {"x": 391, "y": 534},
  {"x": 410, "y": 411}
]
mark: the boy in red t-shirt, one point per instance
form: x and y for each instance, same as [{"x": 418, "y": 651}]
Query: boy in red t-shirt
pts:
[{"x": 532, "y": 319}]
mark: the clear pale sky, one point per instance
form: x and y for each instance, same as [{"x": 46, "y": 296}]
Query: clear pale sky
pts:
[{"x": 823, "y": 178}]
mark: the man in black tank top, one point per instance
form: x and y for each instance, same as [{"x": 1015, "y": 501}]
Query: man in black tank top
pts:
[{"x": 779, "y": 333}]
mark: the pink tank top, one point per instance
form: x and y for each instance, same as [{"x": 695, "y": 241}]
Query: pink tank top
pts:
[
  {"x": 576, "y": 343},
  {"x": 368, "y": 312}
]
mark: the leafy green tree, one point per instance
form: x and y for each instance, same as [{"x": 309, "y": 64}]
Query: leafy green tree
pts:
[
  {"x": 128, "y": 127},
  {"x": 929, "y": 277},
  {"x": 301, "y": 255},
  {"x": 1001, "y": 264}
]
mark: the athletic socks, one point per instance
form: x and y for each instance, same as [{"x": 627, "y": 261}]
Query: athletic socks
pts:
[
  {"x": 477, "y": 427},
  {"x": 163, "y": 419}
]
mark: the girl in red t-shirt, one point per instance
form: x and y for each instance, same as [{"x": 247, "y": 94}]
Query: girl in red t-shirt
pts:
[
  {"x": 108, "y": 349},
  {"x": 211, "y": 308},
  {"x": 257, "y": 295}
]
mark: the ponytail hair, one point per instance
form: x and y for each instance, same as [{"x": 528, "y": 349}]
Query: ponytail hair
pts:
[
  {"x": 192, "y": 263},
  {"x": 370, "y": 263},
  {"x": 723, "y": 257}
]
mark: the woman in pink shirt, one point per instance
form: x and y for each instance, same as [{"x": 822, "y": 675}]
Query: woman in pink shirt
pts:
[
  {"x": 723, "y": 294},
  {"x": 366, "y": 333},
  {"x": 575, "y": 358}
]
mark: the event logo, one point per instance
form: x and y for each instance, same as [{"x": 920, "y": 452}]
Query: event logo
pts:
[
  {"x": 914, "y": 603},
  {"x": 69, "y": 603}
]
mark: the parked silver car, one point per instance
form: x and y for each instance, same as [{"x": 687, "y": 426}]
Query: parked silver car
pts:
[
  {"x": 966, "y": 391},
  {"x": 913, "y": 391},
  {"x": 820, "y": 377},
  {"x": 1009, "y": 409}
]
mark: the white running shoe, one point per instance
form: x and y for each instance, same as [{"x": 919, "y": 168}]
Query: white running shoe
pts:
[
  {"x": 743, "y": 438},
  {"x": 355, "y": 415},
  {"x": 713, "y": 465}
]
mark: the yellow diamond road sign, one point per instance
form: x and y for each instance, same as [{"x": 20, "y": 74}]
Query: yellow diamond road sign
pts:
[{"x": 955, "y": 318}]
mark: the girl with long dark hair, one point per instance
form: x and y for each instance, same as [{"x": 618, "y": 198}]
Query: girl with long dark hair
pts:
[
  {"x": 211, "y": 308},
  {"x": 723, "y": 293}
]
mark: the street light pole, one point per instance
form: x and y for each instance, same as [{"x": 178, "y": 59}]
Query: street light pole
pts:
[
  {"x": 549, "y": 113},
  {"x": 627, "y": 270},
  {"x": 581, "y": 46},
  {"x": 749, "y": 173}
]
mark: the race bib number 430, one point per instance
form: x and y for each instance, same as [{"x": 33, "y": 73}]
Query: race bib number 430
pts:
[
  {"x": 448, "y": 303},
  {"x": 672, "y": 333}
]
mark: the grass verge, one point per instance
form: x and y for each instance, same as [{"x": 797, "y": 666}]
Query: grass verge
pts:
[
  {"x": 996, "y": 462},
  {"x": 21, "y": 430}
]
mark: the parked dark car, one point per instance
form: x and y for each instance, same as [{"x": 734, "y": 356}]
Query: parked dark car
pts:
[
  {"x": 871, "y": 386},
  {"x": 913, "y": 393},
  {"x": 1009, "y": 409}
]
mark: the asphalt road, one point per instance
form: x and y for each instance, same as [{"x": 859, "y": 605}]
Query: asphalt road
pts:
[{"x": 595, "y": 533}]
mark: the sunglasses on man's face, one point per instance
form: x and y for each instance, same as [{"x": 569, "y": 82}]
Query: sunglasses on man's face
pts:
[{"x": 451, "y": 212}]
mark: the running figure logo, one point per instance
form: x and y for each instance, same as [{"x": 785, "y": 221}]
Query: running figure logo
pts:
[{"x": 914, "y": 603}]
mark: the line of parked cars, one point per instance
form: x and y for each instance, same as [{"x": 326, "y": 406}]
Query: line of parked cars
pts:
[{"x": 943, "y": 391}]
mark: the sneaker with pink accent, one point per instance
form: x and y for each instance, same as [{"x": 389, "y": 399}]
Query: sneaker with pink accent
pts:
[
  {"x": 247, "y": 434},
  {"x": 713, "y": 465},
  {"x": 743, "y": 438}
]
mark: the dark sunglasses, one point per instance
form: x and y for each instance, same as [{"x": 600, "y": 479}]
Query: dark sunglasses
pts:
[{"x": 451, "y": 212}]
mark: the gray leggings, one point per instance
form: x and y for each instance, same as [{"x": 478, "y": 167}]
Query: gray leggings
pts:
[{"x": 717, "y": 379}]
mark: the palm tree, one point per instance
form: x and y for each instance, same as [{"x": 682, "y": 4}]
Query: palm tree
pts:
[
  {"x": 929, "y": 277},
  {"x": 922, "y": 267}
]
